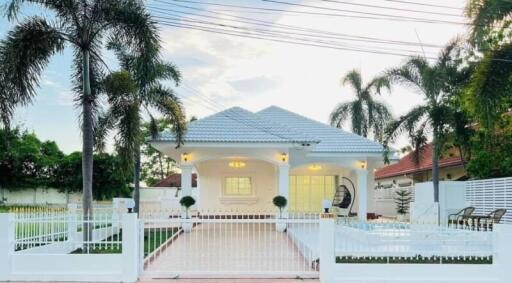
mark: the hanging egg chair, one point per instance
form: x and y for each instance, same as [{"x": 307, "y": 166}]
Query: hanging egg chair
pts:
[{"x": 344, "y": 198}]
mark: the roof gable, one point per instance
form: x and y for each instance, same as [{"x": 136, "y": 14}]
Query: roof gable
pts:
[
  {"x": 238, "y": 125},
  {"x": 332, "y": 140}
]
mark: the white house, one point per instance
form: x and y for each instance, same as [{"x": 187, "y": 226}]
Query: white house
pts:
[{"x": 244, "y": 159}]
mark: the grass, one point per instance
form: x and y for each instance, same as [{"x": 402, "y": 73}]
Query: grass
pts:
[
  {"x": 414, "y": 260},
  {"x": 152, "y": 241}
]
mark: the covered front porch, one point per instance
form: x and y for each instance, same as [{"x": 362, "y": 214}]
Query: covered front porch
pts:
[{"x": 248, "y": 178}]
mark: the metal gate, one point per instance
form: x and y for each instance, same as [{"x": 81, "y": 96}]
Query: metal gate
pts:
[{"x": 229, "y": 245}]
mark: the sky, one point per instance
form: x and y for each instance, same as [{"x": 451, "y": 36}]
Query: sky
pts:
[{"x": 220, "y": 71}]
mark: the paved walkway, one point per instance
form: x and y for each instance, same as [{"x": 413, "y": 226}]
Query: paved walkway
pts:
[
  {"x": 231, "y": 281},
  {"x": 247, "y": 249}
]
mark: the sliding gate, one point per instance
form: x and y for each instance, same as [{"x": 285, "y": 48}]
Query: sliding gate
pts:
[{"x": 230, "y": 245}]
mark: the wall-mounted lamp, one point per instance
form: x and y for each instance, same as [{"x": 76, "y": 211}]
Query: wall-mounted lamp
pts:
[
  {"x": 362, "y": 164},
  {"x": 314, "y": 167},
  {"x": 184, "y": 157},
  {"x": 236, "y": 164},
  {"x": 284, "y": 157}
]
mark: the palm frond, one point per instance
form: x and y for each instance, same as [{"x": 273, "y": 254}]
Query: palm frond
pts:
[
  {"x": 168, "y": 104},
  {"x": 340, "y": 114},
  {"x": 24, "y": 54},
  {"x": 104, "y": 124},
  {"x": 354, "y": 79},
  {"x": 378, "y": 84},
  {"x": 406, "y": 123}
]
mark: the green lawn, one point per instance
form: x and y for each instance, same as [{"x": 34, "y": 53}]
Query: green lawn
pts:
[{"x": 152, "y": 240}]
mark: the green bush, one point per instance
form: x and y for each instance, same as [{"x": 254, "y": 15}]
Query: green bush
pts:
[
  {"x": 187, "y": 202},
  {"x": 280, "y": 202}
]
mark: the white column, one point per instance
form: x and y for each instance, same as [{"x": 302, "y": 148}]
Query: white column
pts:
[
  {"x": 186, "y": 180},
  {"x": 362, "y": 193},
  {"x": 283, "y": 180}
]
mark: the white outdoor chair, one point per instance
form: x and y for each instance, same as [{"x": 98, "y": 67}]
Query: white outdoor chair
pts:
[{"x": 343, "y": 200}]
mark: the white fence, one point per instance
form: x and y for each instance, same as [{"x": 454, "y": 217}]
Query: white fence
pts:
[
  {"x": 491, "y": 194},
  {"x": 387, "y": 252},
  {"x": 49, "y": 245}
]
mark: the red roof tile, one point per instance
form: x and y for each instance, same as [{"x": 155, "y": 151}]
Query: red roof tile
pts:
[
  {"x": 407, "y": 165},
  {"x": 174, "y": 180}
]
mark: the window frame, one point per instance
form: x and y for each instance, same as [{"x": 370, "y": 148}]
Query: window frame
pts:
[{"x": 238, "y": 195}]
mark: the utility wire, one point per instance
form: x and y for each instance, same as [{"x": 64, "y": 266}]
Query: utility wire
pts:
[
  {"x": 280, "y": 33},
  {"x": 352, "y": 13},
  {"x": 245, "y": 20},
  {"x": 424, "y": 4},
  {"x": 392, "y": 8},
  {"x": 362, "y": 13}
]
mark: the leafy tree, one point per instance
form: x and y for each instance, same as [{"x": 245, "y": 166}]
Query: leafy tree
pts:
[
  {"x": 437, "y": 83},
  {"x": 132, "y": 92},
  {"x": 109, "y": 179},
  {"x": 25, "y": 161},
  {"x": 155, "y": 165},
  {"x": 83, "y": 25},
  {"x": 367, "y": 115},
  {"x": 280, "y": 202},
  {"x": 489, "y": 94},
  {"x": 187, "y": 202}
]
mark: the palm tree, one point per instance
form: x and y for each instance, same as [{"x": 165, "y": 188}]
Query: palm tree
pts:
[
  {"x": 437, "y": 82},
  {"x": 367, "y": 115},
  {"x": 82, "y": 25},
  {"x": 132, "y": 92}
]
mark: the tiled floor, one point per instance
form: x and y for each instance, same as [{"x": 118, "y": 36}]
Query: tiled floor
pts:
[{"x": 248, "y": 249}]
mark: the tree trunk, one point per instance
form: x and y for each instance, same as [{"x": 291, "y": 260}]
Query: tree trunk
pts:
[
  {"x": 136, "y": 180},
  {"x": 87, "y": 150},
  {"x": 435, "y": 174}
]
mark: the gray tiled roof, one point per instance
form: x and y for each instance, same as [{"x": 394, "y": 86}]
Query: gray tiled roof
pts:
[
  {"x": 273, "y": 125},
  {"x": 239, "y": 125},
  {"x": 331, "y": 139}
]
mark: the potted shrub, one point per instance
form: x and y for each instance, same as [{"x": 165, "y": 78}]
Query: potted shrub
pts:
[
  {"x": 403, "y": 199},
  {"x": 187, "y": 202},
  {"x": 280, "y": 202}
]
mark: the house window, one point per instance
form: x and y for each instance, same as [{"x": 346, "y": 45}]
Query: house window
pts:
[{"x": 237, "y": 186}]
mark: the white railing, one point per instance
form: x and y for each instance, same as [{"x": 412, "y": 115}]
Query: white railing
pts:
[
  {"x": 60, "y": 231},
  {"x": 106, "y": 257},
  {"x": 403, "y": 240},
  {"x": 229, "y": 243},
  {"x": 488, "y": 195},
  {"x": 354, "y": 251}
]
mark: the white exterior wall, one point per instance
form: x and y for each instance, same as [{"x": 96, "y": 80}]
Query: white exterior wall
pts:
[
  {"x": 212, "y": 174},
  {"x": 39, "y": 196},
  {"x": 153, "y": 198}
]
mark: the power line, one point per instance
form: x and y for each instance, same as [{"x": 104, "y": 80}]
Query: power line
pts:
[
  {"x": 424, "y": 4},
  {"x": 361, "y": 15},
  {"x": 280, "y": 40},
  {"x": 281, "y": 33},
  {"x": 392, "y": 8},
  {"x": 245, "y": 20}
]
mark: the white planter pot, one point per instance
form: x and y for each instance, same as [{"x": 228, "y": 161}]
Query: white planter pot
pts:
[
  {"x": 280, "y": 226},
  {"x": 187, "y": 226}
]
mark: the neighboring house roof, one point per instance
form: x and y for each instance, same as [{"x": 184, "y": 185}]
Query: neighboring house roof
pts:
[
  {"x": 407, "y": 164},
  {"x": 174, "y": 180},
  {"x": 273, "y": 125}
]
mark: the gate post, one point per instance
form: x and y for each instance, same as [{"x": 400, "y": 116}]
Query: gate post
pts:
[
  {"x": 502, "y": 251},
  {"x": 6, "y": 245},
  {"x": 327, "y": 247},
  {"x": 130, "y": 247}
]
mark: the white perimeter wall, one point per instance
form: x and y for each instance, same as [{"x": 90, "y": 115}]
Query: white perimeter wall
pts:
[
  {"x": 211, "y": 179},
  {"x": 39, "y": 196}
]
